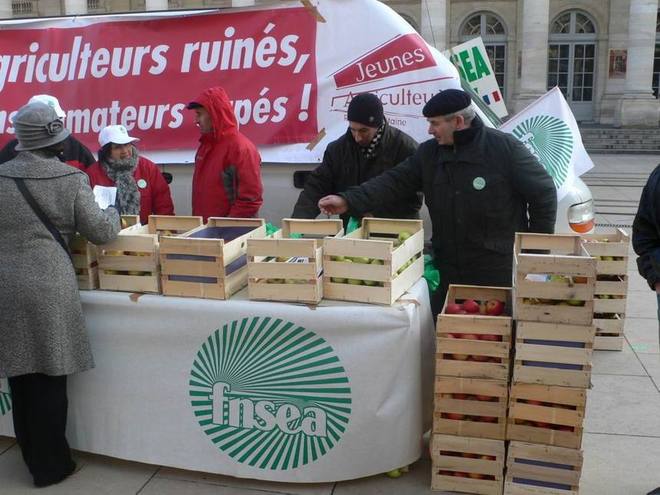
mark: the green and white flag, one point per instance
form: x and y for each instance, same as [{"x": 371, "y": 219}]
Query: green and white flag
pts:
[{"x": 548, "y": 129}]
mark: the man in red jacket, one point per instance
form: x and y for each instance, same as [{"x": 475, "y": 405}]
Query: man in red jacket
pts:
[{"x": 227, "y": 177}]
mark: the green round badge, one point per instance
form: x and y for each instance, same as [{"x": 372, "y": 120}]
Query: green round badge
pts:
[{"x": 479, "y": 183}]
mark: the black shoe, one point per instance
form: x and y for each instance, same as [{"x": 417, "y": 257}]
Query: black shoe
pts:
[{"x": 41, "y": 483}]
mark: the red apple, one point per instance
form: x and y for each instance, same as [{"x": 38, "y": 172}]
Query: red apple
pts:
[
  {"x": 491, "y": 337},
  {"x": 460, "y": 357},
  {"x": 453, "y": 308},
  {"x": 486, "y": 398},
  {"x": 494, "y": 307},
  {"x": 481, "y": 359},
  {"x": 488, "y": 419},
  {"x": 469, "y": 336},
  {"x": 460, "y": 396},
  {"x": 488, "y": 457},
  {"x": 471, "y": 306},
  {"x": 456, "y": 416}
]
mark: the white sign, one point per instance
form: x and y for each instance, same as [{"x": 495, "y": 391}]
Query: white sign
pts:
[
  {"x": 471, "y": 60},
  {"x": 549, "y": 130}
]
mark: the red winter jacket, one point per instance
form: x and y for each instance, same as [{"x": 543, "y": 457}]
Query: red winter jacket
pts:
[
  {"x": 155, "y": 198},
  {"x": 227, "y": 177}
]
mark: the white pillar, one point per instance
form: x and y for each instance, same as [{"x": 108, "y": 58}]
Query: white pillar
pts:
[
  {"x": 638, "y": 105},
  {"x": 73, "y": 7},
  {"x": 533, "y": 45},
  {"x": 434, "y": 23},
  {"x": 5, "y": 9},
  {"x": 242, "y": 3},
  {"x": 156, "y": 5}
]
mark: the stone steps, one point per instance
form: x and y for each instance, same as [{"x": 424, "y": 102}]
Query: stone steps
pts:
[{"x": 621, "y": 140}]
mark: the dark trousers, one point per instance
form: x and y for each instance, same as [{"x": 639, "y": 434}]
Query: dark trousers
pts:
[{"x": 39, "y": 408}]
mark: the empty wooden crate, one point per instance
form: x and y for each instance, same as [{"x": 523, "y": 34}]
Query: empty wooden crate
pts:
[
  {"x": 376, "y": 263},
  {"x": 554, "y": 279},
  {"x": 553, "y": 354},
  {"x": 209, "y": 261}
]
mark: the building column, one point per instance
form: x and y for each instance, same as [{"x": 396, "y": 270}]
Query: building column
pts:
[
  {"x": 533, "y": 45},
  {"x": 242, "y": 3},
  {"x": 74, "y": 7},
  {"x": 434, "y": 23},
  {"x": 156, "y": 5},
  {"x": 5, "y": 9},
  {"x": 638, "y": 106}
]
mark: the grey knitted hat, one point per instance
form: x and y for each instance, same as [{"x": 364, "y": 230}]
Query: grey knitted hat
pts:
[{"x": 37, "y": 126}]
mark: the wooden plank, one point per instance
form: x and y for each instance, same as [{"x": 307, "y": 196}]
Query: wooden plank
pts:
[{"x": 158, "y": 224}]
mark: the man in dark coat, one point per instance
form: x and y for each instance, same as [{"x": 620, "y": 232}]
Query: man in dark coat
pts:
[
  {"x": 369, "y": 147},
  {"x": 74, "y": 153},
  {"x": 480, "y": 185}
]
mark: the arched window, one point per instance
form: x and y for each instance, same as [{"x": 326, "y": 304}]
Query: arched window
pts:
[
  {"x": 493, "y": 32},
  {"x": 656, "y": 57},
  {"x": 572, "y": 60}
]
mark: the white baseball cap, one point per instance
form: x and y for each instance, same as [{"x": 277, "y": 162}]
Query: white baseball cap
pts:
[
  {"x": 51, "y": 101},
  {"x": 115, "y": 134}
]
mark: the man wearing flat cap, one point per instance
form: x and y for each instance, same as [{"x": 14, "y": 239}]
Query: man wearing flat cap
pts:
[
  {"x": 480, "y": 185},
  {"x": 368, "y": 148},
  {"x": 227, "y": 177}
]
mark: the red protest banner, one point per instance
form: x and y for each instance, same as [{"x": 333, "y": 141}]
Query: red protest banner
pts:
[{"x": 142, "y": 73}]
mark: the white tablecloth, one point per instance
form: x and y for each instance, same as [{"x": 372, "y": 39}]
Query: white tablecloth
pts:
[{"x": 281, "y": 392}]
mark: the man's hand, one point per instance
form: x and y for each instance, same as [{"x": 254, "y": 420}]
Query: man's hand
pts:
[
  {"x": 333, "y": 205},
  {"x": 657, "y": 287}
]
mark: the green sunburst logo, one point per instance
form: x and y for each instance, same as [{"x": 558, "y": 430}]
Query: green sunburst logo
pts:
[
  {"x": 550, "y": 140},
  {"x": 269, "y": 393},
  {"x": 5, "y": 401}
]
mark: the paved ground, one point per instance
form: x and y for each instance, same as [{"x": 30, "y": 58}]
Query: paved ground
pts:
[{"x": 622, "y": 433}]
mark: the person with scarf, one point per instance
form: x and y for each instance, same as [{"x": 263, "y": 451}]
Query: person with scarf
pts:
[
  {"x": 369, "y": 147},
  {"x": 227, "y": 177},
  {"x": 141, "y": 188}
]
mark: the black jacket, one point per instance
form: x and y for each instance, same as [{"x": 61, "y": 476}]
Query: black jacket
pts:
[
  {"x": 75, "y": 153},
  {"x": 344, "y": 166},
  {"x": 479, "y": 192},
  {"x": 646, "y": 230}
]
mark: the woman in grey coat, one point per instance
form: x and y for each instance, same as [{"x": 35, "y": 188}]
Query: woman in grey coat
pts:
[{"x": 42, "y": 332}]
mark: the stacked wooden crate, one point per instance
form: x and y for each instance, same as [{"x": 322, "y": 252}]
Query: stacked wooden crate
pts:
[
  {"x": 611, "y": 251},
  {"x": 554, "y": 283},
  {"x": 376, "y": 263},
  {"x": 85, "y": 263},
  {"x": 289, "y": 266},
  {"x": 209, "y": 261},
  {"x": 471, "y": 390}
]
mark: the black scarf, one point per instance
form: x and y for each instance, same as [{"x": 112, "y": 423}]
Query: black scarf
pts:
[{"x": 121, "y": 173}]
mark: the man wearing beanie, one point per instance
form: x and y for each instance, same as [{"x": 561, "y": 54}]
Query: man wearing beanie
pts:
[
  {"x": 368, "y": 148},
  {"x": 480, "y": 185},
  {"x": 74, "y": 152}
]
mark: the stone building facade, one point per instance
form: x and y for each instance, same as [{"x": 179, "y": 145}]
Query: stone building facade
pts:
[{"x": 603, "y": 54}]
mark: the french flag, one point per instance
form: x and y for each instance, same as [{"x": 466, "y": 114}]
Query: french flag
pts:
[{"x": 495, "y": 95}]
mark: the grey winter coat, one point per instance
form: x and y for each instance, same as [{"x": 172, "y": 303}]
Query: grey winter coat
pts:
[{"x": 41, "y": 323}]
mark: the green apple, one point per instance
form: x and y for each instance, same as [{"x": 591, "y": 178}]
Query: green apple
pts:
[
  {"x": 338, "y": 280},
  {"x": 370, "y": 283},
  {"x": 376, "y": 261},
  {"x": 395, "y": 473},
  {"x": 361, "y": 259},
  {"x": 403, "y": 235},
  {"x": 354, "y": 281},
  {"x": 338, "y": 258}
]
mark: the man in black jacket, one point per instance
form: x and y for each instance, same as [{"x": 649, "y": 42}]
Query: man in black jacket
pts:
[
  {"x": 75, "y": 153},
  {"x": 480, "y": 185},
  {"x": 369, "y": 147},
  {"x": 646, "y": 234}
]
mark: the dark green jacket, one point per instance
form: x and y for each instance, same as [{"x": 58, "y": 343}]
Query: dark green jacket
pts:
[
  {"x": 479, "y": 192},
  {"x": 344, "y": 166}
]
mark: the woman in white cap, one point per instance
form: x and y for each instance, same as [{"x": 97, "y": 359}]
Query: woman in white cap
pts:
[
  {"x": 43, "y": 202},
  {"x": 141, "y": 188}
]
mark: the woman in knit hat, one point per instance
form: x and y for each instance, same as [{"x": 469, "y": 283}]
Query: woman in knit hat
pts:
[
  {"x": 141, "y": 188},
  {"x": 43, "y": 202}
]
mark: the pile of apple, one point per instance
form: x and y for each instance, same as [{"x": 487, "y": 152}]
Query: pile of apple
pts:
[
  {"x": 467, "y": 455},
  {"x": 492, "y": 307},
  {"x": 542, "y": 424},
  {"x": 127, "y": 272},
  {"x": 536, "y": 301},
  {"x": 467, "y": 417}
]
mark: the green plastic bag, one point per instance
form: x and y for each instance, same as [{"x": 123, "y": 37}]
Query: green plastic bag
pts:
[
  {"x": 271, "y": 229},
  {"x": 353, "y": 224},
  {"x": 431, "y": 273}
]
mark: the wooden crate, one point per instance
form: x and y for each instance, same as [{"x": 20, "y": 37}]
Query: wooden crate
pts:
[
  {"x": 533, "y": 469},
  {"x": 173, "y": 225},
  {"x": 470, "y": 407},
  {"x": 467, "y": 465},
  {"x": 553, "y": 354},
  {"x": 474, "y": 345},
  {"x": 395, "y": 265},
  {"x": 85, "y": 262},
  {"x": 567, "y": 297},
  {"x": 609, "y": 331},
  {"x": 284, "y": 269},
  {"x": 208, "y": 267},
  {"x": 130, "y": 262},
  {"x": 546, "y": 414},
  {"x": 129, "y": 220}
]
